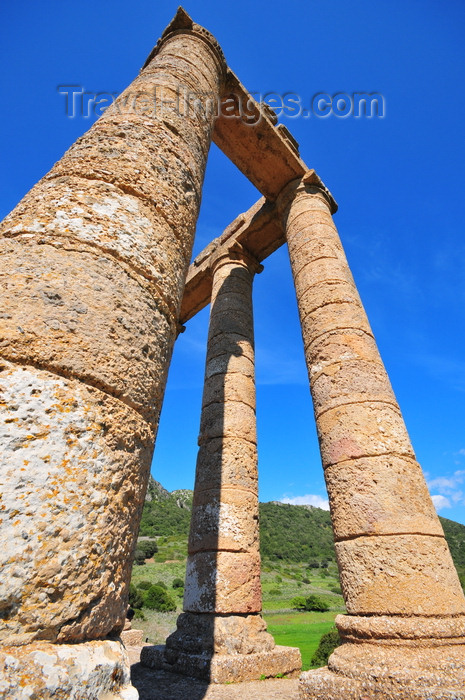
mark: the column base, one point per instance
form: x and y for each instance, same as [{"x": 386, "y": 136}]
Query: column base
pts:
[
  {"x": 225, "y": 668},
  {"x": 392, "y": 658},
  {"x": 85, "y": 671},
  {"x": 221, "y": 648}
]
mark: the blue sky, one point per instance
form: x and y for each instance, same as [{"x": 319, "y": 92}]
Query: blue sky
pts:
[{"x": 398, "y": 181}]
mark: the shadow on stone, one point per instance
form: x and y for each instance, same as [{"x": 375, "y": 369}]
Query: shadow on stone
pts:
[{"x": 160, "y": 685}]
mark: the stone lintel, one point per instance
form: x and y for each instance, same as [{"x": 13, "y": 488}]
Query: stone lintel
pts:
[
  {"x": 258, "y": 230},
  {"x": 247, "y": 134},
  {"x": 245, "y": 130}
]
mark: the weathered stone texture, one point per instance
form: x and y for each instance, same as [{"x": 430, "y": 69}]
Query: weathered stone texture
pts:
[
  {"x": 372, "y": 496},
  {"x": 399, "y": 575},
  {"x": 224, "y": 519},
  {"x": 363, "y": 429},
  {"x": 227, "y": 461},
  {"x": 93, "y": 266},
  {"x": 81, "y": 307},
  {"x": 228, "y": 634},
  {"x": 415, "y": 630},
  {"x": 400, "y": 586},
  {"x": 400, "y": 672},
  {"x": 223, "y": 582},
  {"x": 221, "y": 636},
  {"x": 74, "y": 466},
  {"x": 225, "y": 508},
  {"x": 226, "y": 668},
  {"x": 43, "y": 671},
  {"x": 374, "y": 484}
]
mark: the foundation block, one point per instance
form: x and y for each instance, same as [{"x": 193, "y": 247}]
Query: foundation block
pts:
[
  {"x": 362, "y": 671},
  {"x": 226, "y": 668}
]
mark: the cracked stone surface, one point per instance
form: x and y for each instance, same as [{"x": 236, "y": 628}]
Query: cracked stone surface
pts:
[
  {"x": 92, "y": 267},
  {"x": 394, "y": 562}
]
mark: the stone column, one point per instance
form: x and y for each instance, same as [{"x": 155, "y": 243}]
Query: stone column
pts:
[
  {"x": 221, "y": 636},
  {"x": 405, "y": 630},
  {"x": 93, "y": 266}
]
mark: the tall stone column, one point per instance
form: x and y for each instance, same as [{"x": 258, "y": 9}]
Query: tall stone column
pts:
[
  {"x": 404, "y": 634},
  {"x": 92, "y": 267},
  {"x": 221, "y": 636}
]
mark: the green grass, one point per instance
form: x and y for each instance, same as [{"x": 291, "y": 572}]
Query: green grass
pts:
[{"x": 303, "y": 630}]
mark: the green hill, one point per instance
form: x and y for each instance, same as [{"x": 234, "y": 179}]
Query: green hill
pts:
[
  {"x": 287, "y": 533},
  {"x": 165, "y": 514}
]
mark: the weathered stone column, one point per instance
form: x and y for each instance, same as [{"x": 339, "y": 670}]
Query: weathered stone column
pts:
[
  {"x": 404, "y": 633},
  {"x": 221, "y": 636},
  {"x": 93, "y": 265}
]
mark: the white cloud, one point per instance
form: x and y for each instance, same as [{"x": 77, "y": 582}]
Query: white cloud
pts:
[
  {"x": 308, "y": 500},
  {"x": 441, "y": 502},
  {"x": 449, "y": 489},
  {"x": 448, "y": 483}
]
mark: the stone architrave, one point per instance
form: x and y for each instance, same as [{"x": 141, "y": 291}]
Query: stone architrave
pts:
[
  {"x": 404, "y": 635},
  {"x": 221, "y": 635},
  {"x": 92, "y": 269}
]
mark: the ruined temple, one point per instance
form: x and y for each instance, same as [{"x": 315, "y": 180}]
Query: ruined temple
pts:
[{"x": 97, "y": 284}]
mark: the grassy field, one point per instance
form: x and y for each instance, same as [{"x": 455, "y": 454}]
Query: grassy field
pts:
[{"x": 300, "y": 629}]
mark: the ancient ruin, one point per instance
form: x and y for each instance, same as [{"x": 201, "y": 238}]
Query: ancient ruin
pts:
[{"x": 96, "y": 282}]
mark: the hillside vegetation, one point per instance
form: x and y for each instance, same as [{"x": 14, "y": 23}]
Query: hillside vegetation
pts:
[
  {"x": 287, "y": 533},
  {"x": 298, "y": 564}
]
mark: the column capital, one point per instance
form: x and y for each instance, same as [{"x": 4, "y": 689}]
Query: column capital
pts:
[
  {"x": 310, "y": 183},
  {"x": 182, "y": 22},
  {"x": 235, "y": 253}
]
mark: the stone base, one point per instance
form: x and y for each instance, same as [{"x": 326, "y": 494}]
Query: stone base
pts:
[
  {"x": 132, "y": 638},
  {"x": 223, "y": 668},
  {"x": 382, "y": 672},
  {"x": 97, "y": 670}
]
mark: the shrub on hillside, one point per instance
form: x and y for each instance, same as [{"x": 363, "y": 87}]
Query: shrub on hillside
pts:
[
  {"x": 275, "y": 591},
  {"x": 162, "y": 584},
  {"x": 139, "y": 557},
  {"x": 144, "y": 585},
  {"x": 298, "y": 603},
  {"x": 149, "y": 547},
  {"x": 136, "y": 599},
  {"x": 158, "y": 599},
  {"x": 327, "y": 645},
  {"x": 178, "y": 583},
  {"x": 315, "y": 604}
]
